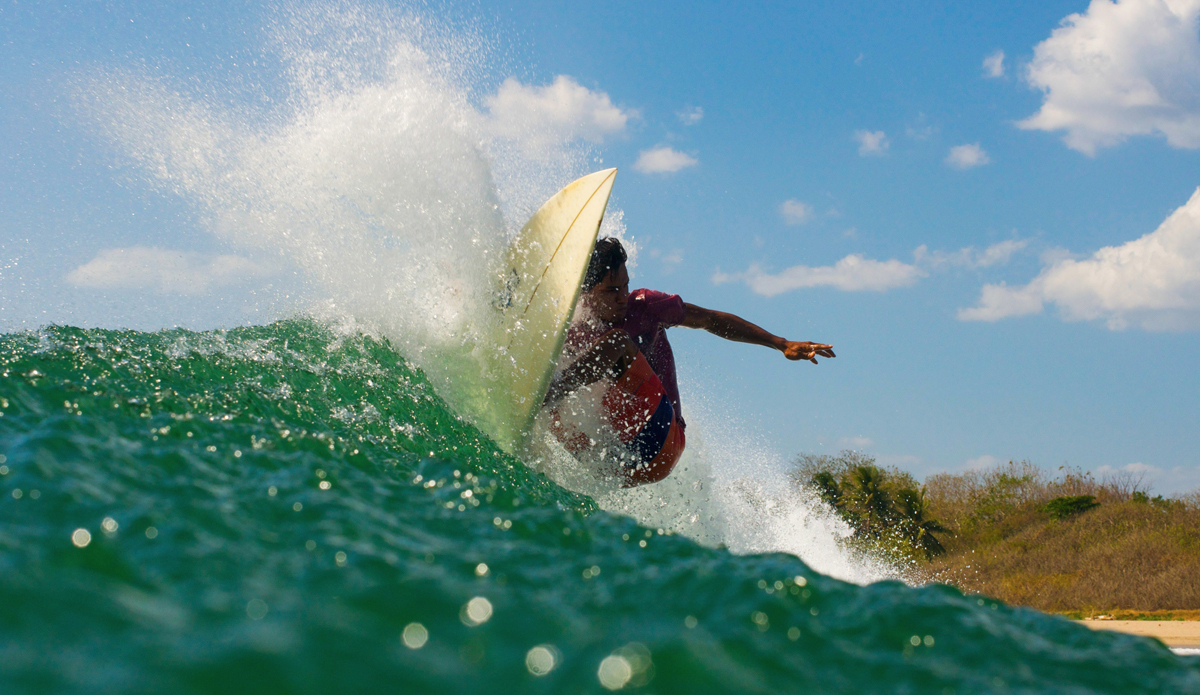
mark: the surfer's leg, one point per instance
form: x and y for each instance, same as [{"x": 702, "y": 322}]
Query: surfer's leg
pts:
[{"x": 660, "y": 466}]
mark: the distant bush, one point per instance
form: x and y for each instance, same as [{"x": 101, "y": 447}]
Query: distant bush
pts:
[
  {"x": 1059, "y": 541},
  {"x": 884, "y": 506},
  {"x": 1063, "y": 507}
]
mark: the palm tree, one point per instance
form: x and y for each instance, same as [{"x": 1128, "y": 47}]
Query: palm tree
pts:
[
  {"x": 913, "y": 507},
  {"x": 872, "y": 500}
]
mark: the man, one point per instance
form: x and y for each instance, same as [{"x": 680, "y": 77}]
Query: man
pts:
[{"x": 622, "y": 336}]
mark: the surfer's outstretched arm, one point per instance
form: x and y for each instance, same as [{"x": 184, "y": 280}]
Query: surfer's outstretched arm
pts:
[
  {"x": 610, "y": 356},
  {"x": 739, "y": 329}
]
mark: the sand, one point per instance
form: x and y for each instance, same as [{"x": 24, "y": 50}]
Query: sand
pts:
[{"x": 1173, "y": 633}]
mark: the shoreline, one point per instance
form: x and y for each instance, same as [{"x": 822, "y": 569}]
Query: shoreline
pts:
[{"x": 1173, "y": 633}]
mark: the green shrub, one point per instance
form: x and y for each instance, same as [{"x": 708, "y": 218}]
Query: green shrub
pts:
[
  {"x": 1063, "y": 507},
  {"x": 886, "y": 509}
]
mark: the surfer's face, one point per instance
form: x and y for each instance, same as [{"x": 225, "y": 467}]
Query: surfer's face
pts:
[{"x": 609, "y": 300}]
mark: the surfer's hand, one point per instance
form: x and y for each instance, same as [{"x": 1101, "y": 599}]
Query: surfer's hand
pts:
[{"x": 795, "y": 350}]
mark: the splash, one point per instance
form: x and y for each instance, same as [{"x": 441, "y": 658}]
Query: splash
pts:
[
  {"x": 729, "y": 490},
  {"x": 388, "y": 176}
]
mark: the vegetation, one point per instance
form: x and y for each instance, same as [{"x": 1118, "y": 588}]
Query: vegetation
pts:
[
  {"x": 884, "y": 506},
  {"x": 1064, "y": 542}
]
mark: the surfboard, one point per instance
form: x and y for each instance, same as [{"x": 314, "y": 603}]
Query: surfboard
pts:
[{"x": 536, "y": 292}]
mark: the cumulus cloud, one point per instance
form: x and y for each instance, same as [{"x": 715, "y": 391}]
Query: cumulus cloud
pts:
[
  {"x": 1152, "y": 282},
  {"x": 1122, "y": 68},
  {"x": 993, "y": 65},
  {"x": 164, "y": 271},
  {"x": 967, "y": 156},
  {"x": 871, "y": 143},
  {"x": 970, "y": 257},
  {"x": 558, "y": 112},
  {"x": 691, "y": 116},
  {"x": 795, "y": 212},
  {"x": 663, "y": 160},
  {"x": 851, "y": 274}
]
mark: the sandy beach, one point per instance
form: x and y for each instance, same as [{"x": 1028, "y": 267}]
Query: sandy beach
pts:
[{"x": 1173, "y": 633}]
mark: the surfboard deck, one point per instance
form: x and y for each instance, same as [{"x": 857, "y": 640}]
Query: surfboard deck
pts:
[{"x": 536, "y": 292}]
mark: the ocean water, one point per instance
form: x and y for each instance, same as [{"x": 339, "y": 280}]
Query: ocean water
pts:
[
  {"x": 293, "y": 509},
  {"x": 305, "y": 507}
]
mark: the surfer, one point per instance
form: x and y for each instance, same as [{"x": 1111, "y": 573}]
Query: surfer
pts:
[{"x": 621, "y": 335}]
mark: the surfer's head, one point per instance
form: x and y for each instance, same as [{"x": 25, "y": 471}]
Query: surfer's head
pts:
[{"x": 606, "y": 284}]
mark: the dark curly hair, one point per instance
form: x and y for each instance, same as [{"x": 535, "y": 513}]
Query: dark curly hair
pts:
[{"x": 607, "y": 257}]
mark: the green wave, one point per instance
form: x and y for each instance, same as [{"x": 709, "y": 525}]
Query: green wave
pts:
[{"x": 269, "y": 509}]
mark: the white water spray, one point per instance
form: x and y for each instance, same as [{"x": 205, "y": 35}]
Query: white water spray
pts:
[{"x": 390, "y": 180}]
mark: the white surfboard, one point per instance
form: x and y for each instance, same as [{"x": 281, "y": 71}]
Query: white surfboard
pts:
[{"x": 535, "y": 298}]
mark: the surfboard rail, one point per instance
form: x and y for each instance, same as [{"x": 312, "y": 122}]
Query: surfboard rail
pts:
[{"x": 537, "y": 288}]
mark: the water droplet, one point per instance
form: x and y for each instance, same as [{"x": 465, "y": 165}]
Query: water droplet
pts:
[
  {"x": 477, "y": 611},
  {"x": 81, "y": 537},
  {"x": 256, "y": 609},
  {"x": 109, "y": 525},
  {"x": 415, "y": 635},
  {"x": 151, "y": 532},
  {"x": 541, "y": 659},
  {"x": 614, "y": 672}
]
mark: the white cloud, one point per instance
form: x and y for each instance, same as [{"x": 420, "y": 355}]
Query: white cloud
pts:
[
  {"x": 921, "y": 128},
  {"x": 993, "y": 65},
  {"x": 1001, "y": 301},
  {"x": 795, "y": 212},
  {"x": 663, "y": 160},
  {"x": 562, "y": 111},
  {"x": 670, "y": 259},
  {"x": 1119, "y": 69},
  {"x": 691, "y": 116},
  {"x": 969, "y": 257},
  {"x": 898, "y": 460},
  {"x": 163, "y": 270},
  {"x": 857, "y": 443},
  {"x": 982, "y": 462},
  {"x": 967, "y": 156},
  {"x": 1152, "y": 282},
  {"x": 851, "y": 274},
  {"x": 871, "y": 142},
  {"x": 1180, "y": 479}
]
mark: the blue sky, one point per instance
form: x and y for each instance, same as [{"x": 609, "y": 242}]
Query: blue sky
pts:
[{"x": 1002, "y": 251}]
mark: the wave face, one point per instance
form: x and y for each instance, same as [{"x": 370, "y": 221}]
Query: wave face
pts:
[{"x": 277, "y": 508}]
